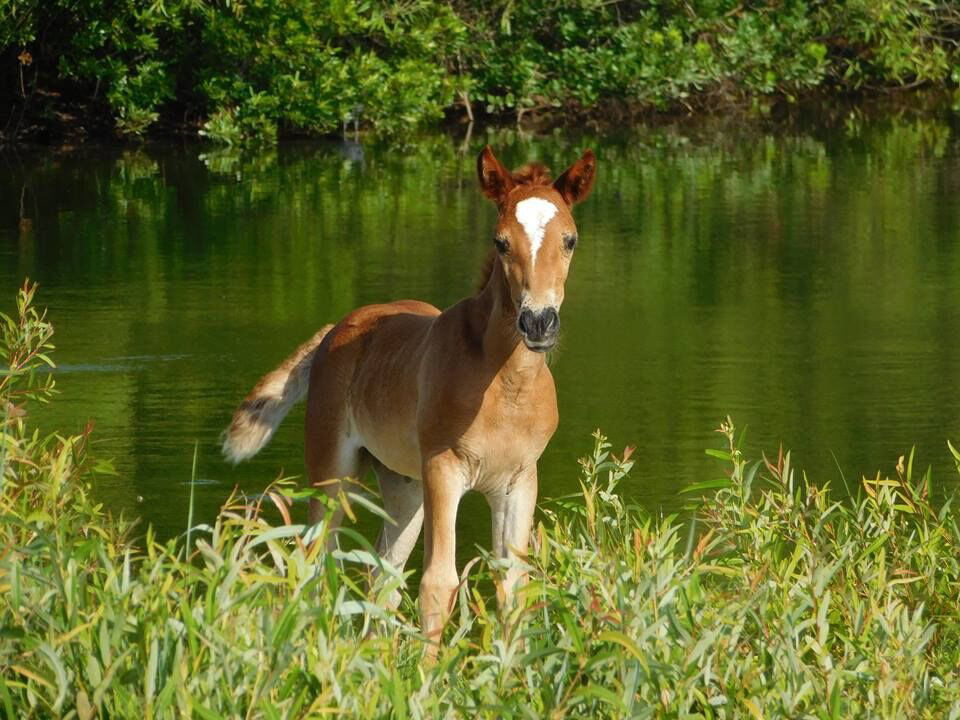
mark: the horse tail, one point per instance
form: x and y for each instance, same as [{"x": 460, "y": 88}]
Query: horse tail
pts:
[{"x": 262, "y": 411}]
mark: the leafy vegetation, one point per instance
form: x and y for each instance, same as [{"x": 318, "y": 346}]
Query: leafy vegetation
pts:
[
  {"x": 245, "y": 70},
  {"x": 778, "y": 601}
]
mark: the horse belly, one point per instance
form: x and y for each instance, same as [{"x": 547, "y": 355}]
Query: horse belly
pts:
[
  {"x": 384, "y": 406},
  {"x": 392, "y": 441}
]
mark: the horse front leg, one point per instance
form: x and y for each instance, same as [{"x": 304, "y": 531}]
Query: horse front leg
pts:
[
  {"x": 443, "y": 488},
  {"x": 511, "y": 509}
]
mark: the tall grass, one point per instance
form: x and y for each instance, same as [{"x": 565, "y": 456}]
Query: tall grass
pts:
[{"x": 779, "y": 601}]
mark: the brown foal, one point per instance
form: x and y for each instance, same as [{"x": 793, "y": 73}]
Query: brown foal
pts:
[{"x": 439, "y": 403}]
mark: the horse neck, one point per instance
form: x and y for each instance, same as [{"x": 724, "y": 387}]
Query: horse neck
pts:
[{"x": 496, "y": 324}]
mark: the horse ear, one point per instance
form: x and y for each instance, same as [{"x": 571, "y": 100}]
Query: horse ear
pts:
[
  {"x": 495, "y": 180},
  {"x": 577, "y": 181}
]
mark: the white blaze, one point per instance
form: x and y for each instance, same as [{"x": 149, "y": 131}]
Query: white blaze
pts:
[{"x": 534, "y": 214}]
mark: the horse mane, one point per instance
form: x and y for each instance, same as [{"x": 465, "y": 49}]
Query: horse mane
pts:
[
  {"x": 486, "y": 270},
  {"x": 531, "y": 174}
]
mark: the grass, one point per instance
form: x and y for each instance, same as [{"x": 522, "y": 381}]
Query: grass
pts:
[{"x": 778, "y": 601}]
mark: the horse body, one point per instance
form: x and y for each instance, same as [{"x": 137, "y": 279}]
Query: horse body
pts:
[
  {"x": 362, "y": 402},
  {"x": 439, "y": 403}
]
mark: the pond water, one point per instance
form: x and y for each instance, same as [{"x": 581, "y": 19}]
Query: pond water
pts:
[{"x": 805, "y": 280}]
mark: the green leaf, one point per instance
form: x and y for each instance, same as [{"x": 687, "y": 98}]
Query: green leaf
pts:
[
  {"x": 707, "y": 485},
  {"x": 719, "y": 454},
  {"x": 277, "y": 533}
]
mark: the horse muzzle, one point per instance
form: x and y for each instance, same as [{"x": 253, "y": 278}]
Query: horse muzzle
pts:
[{"x": 539, "y": 328}]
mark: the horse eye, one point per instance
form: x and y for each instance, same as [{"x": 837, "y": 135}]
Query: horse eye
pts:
[
  {"x": 501, "y": 244},
  {"x": 569, "y": 242}
]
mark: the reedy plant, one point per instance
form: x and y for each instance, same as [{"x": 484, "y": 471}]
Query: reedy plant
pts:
[{"x": 780, "y": 601}]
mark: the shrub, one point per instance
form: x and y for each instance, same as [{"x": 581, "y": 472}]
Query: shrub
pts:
[
  {"x": 779, "y": 600},
  {"x": 247, "y": 70},
  {"x": 311, "y": 66}
]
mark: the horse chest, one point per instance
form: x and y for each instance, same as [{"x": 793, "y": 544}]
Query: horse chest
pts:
[
  {"x": 510, "y": 433},
  {"x": 524, "y": 419}
]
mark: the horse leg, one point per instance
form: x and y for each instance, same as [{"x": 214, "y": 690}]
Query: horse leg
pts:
[
  {"x": 403, "y": 502},
  {"x": 512, "y": 520},
  {"x": 442, "y": 489},
  {"x": 332, "y": 456}
]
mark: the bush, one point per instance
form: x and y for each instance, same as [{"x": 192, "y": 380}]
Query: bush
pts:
[
  {"x": 237, "y": 71},
  {"x": 780, "y": 600},
  {"x": 248, "y": 68},
  {"x": 310, "y": 66}
]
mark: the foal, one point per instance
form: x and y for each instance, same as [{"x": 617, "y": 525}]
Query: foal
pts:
[{"x": 439, "y": 403}]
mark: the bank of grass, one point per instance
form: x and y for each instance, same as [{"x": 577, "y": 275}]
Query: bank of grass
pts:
[{"x": 780, "y": 601}]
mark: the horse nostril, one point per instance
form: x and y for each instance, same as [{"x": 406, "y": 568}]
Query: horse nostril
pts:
[
  {"x": 551, "y": 320},
  {"x": 538, "y": 324},
  {"x": 526, "y": 322}
]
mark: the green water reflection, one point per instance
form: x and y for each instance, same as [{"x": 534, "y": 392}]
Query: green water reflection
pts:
[{"x": 806, "y": 281}]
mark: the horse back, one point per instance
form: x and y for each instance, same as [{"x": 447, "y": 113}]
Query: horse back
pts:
[{"x": 364, "y": 381}]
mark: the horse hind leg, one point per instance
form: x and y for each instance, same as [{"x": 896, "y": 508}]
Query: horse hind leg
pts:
[
  {"x": 333, "y": 450},
  {"x": 403, "y": 502},
  {"x": 332, "y": 458}
]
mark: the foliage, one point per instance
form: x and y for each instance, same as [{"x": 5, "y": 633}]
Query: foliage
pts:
[
  {"x": 782, "y": 601},
  {"x": 241, "y": 70},
  {"x": 665, "y": 53},
  {"x": 247, "y": 67},
  {"x": 24, "y": 347},
  {"x": 312, "y": 66},
  {"x": 118, "y": 51}
]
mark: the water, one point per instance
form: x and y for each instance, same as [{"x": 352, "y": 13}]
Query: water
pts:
[{"x": 804, "y": 280}]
